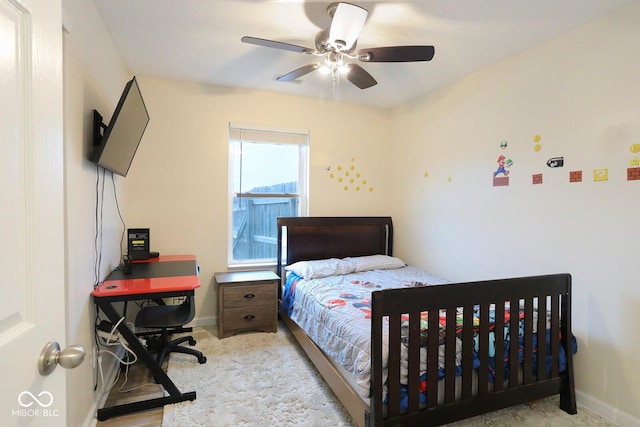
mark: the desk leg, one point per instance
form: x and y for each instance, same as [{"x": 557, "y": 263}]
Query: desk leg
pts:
[{"x": 175, "y": 395}]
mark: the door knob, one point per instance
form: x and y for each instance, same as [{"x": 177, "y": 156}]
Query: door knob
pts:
[{"x": 51, "y": 356}]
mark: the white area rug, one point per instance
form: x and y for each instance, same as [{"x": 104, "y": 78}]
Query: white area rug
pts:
[
  {"x": 251, "y": 379},
  {"x": 265, "y": 379}
]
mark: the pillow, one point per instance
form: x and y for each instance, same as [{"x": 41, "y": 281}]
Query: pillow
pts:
[
  {"x": 376, "y": 262},
  {"x": 321, "y": 268}
]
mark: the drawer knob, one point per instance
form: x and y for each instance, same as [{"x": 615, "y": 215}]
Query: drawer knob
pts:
[
  {"x": 249, "y": 317},
  {"x": 249, "y": 296}
]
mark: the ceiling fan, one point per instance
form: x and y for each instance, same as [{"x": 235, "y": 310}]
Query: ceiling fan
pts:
[{"x": 335, "y": 48}]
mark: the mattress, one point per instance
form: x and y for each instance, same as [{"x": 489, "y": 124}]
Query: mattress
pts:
[{"x": 335, "y": 312}]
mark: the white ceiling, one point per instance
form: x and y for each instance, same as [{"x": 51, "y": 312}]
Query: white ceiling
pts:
[{"x": 199, "y": 40}]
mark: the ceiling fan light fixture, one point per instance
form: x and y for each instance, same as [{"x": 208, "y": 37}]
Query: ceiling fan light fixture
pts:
[
  {"x": 325, "y": 69},
  {"x": 346, "y": 24},
  {"x": 336, "y": 49}
]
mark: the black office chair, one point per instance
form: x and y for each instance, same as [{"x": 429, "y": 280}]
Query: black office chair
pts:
[{"x": 169, "y": 318}]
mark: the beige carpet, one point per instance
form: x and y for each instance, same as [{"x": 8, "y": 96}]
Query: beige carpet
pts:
[{"x": 264, "y": 379}]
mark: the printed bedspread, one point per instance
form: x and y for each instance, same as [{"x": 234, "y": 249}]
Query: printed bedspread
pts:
[{"x": 335, "y": 313}]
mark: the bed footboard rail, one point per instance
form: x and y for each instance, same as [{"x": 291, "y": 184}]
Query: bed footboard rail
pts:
[{"x": 436, "y": 349}]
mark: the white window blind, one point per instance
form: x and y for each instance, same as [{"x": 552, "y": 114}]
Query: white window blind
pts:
[{"x": 248, "y": 133}]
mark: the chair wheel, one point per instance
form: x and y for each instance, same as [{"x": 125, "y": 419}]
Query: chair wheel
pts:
[
  {"x": 192, "y": 342},
  {"x": 202, "y": 360}
]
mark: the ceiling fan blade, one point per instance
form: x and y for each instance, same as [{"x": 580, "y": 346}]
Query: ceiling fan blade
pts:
[
  {"x": 360, "y": 77},
  {"x": 298, "y": 72},
  {"x": 397, "y": 54},
  {"x": 346, "y": 24},
  {"x": 276, "y": 45}
]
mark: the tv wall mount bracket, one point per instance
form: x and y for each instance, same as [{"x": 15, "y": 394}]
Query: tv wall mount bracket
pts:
[{"x": 98, "y": 128}]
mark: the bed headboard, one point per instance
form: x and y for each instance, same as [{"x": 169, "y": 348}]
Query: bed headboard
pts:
[{"x": 309, "y": 238}]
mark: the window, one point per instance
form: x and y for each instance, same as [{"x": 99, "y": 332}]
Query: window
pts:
[{"x": 267, "y": 179}]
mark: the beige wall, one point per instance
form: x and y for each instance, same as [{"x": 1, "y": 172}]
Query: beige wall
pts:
[
  {"x": 178, "y": 180},
  {"x": 581, "y": 94},
  {"x": 94, "y": 76}
]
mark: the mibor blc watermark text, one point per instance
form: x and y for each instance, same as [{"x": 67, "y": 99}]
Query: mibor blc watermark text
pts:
[{"x": 35, "y": 406}]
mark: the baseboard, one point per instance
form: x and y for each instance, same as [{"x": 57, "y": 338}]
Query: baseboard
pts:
[
  {"x": 204, "y": 321},
  {"x": 606, "y": 411}
]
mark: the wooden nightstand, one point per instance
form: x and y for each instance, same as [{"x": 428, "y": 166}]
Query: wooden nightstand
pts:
[{"x": 247, "y": 300}]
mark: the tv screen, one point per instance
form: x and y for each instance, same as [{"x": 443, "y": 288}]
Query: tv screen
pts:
[{"x": 115, "y": 148}]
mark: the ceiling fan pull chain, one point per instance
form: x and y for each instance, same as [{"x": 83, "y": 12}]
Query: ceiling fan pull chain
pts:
[{"x": 334, "y": 81}]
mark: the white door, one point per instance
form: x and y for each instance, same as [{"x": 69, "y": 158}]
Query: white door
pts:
[{"x": 32, "y": 261}]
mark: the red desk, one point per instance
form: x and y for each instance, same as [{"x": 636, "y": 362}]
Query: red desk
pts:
[{"x": 162, "y": 277}]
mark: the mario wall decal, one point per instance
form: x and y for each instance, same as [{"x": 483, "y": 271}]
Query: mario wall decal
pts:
[
  {"x": 555, "y": 162},
  {"x": 501, "y": 175},
  {"x": 503, "y": 163}
]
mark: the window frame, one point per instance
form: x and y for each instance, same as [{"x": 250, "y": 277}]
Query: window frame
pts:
[{"x": 246, "y": 133}]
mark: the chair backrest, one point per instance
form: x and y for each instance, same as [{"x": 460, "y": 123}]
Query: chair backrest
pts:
[
  {"x": 188, "y": 308},
  {"x": 167, "y": 316}
]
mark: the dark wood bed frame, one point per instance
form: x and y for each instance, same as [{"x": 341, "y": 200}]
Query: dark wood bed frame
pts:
[{"x": 456, "y": 398}]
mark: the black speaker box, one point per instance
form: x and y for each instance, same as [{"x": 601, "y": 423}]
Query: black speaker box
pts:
[{"x": 138, "y": 243}]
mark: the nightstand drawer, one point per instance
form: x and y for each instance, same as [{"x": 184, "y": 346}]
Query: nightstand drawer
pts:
[
  {"x": 245, "y": 318},
  {"x": 250, "y": 295}
]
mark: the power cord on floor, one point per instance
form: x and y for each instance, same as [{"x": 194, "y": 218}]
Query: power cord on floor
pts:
[{"x": 108, "y": 336}]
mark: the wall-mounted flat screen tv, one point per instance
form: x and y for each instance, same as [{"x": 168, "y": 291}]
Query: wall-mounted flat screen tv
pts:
[{"x": 115, "y": 145}]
